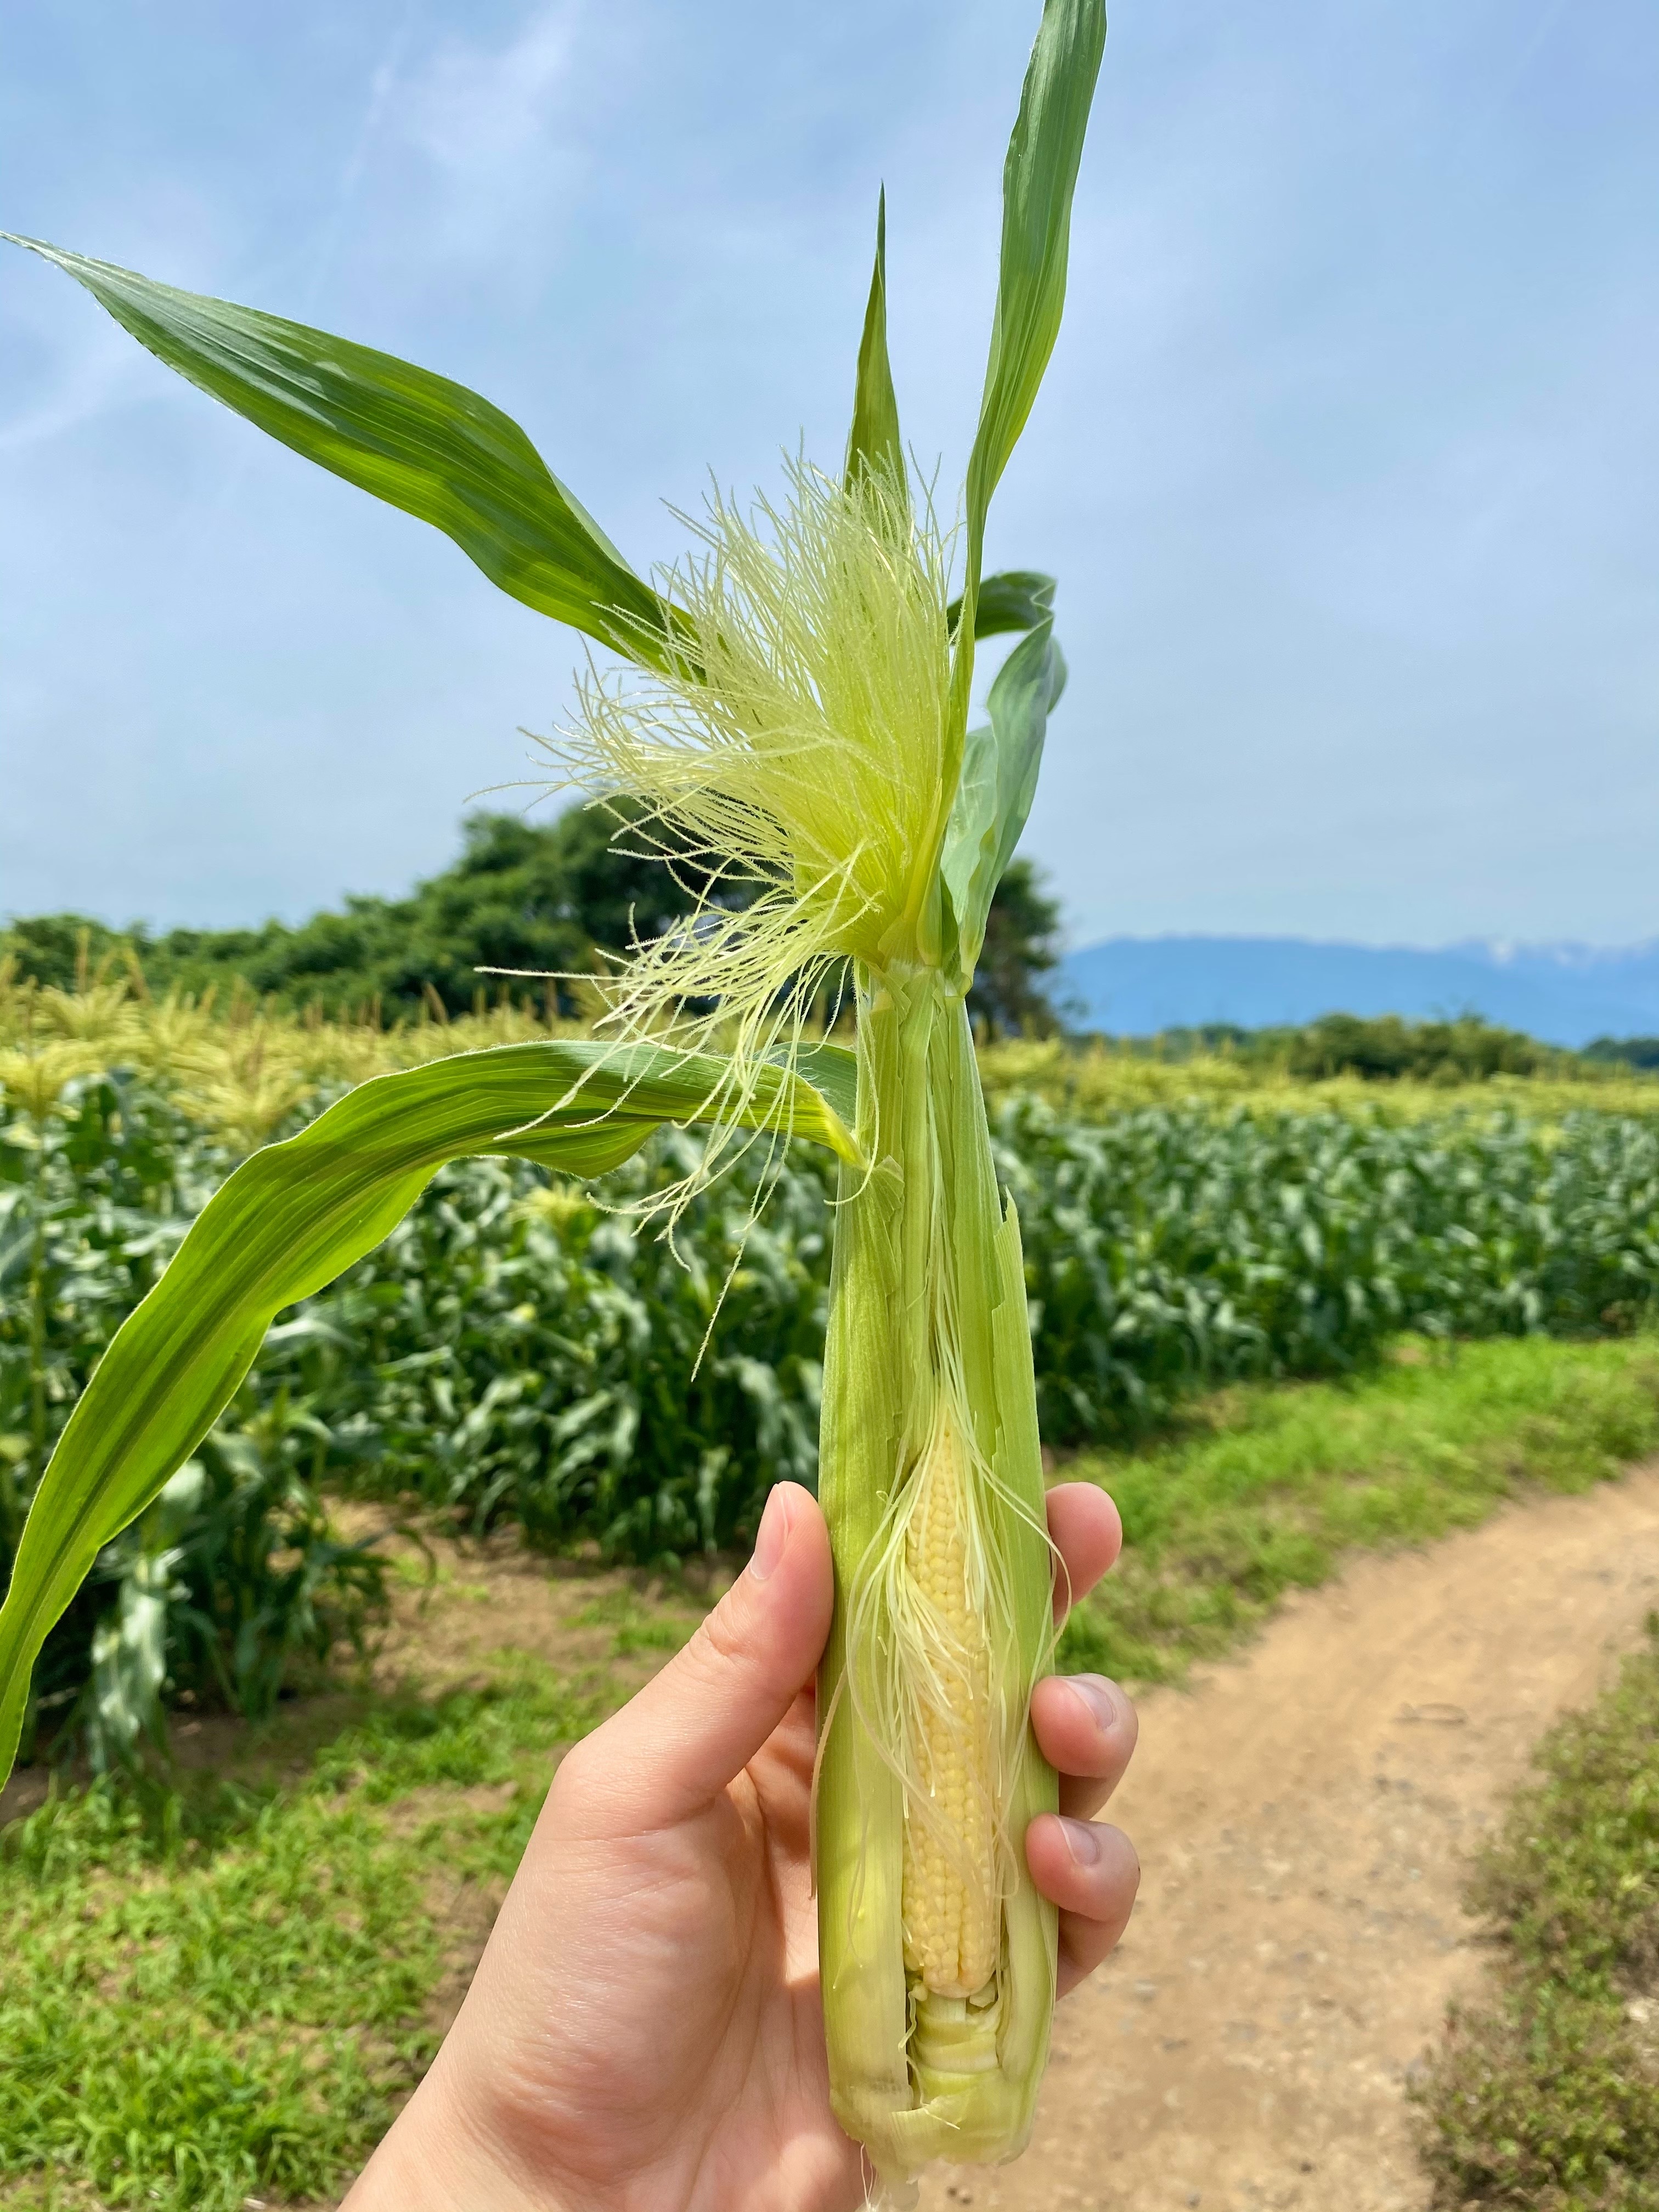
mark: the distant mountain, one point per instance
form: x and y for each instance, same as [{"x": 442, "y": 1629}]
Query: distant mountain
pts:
[{"x": 1562, "y": 993}]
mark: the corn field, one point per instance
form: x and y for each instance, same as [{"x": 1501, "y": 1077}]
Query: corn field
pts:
[{"x": 524, "y": 1350}]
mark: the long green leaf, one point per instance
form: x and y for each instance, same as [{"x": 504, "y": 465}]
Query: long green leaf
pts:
[
  {"x": 296, "y": 1215},
  {"x": 1038, "y": 180},
  {"x": 416, "y": 441},
  {"x": 1000, "y": 767},
  {"x": 874, "y": 442}
]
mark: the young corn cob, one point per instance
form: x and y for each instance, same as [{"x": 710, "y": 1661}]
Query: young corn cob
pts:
[
  {"x": 812, "y": 737},
  {"x": 952, "y": 1938}
]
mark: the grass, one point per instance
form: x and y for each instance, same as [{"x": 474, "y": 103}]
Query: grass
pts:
[
  {"x": 635, "y": 1626},
  {"x": 226, "y": 1995},
  {"x": 1545, "y": 2095},
  {"x": 1264, "y": 1487}
]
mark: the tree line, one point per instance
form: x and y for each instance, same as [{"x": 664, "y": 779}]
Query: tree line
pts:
[
  {"x": 555, "y": 898},
  {"x": 551, "y": 898}
]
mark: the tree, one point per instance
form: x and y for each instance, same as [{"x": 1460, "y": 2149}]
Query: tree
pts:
[
  {"x": 549, "y": 898},
  {"x": 1632, "y": 1052},
  {"x": 61, "y": 950},
  {"x": 1022, "y": 934}
]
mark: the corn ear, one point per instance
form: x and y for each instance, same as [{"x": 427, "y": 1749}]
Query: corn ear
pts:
[{"x": 937, "y": 1953}]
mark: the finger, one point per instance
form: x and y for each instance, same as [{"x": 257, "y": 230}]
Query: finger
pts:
[
  {"x": 1091, "y": 1873},
  {"x": 1085, "y": 1729},
  {"x": 674, "y": 1747},
  {"x": 1088, "y": 1535}
]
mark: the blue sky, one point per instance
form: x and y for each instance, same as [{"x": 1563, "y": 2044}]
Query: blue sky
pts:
[{"x": 1347, "y": 460}]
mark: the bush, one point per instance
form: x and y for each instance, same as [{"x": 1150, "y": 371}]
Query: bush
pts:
[
  {"x": 1377, "y": 1048},
  {"x": 1384, "y": 1049},
  {"x": 1625, "y": 1052}
]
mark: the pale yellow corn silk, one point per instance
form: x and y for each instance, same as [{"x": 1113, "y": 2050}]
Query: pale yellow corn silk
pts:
[{"x": 803, "y": 752}]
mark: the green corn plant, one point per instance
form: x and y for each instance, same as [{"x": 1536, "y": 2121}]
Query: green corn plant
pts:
[{"x": 794, "y": 718}]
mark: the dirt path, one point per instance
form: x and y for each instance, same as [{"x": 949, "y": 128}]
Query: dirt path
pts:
[{"x": 1303, "y": 1819}]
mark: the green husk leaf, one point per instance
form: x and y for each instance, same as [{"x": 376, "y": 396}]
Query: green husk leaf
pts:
[
  {"x": 1000, "y": 765},
  {"x": 832, "y": 1071},
  {"x": 1017, "y": 599},
  {"x": 413, "y": 439},
  {"x": 1038, "y": 181},
  {"x": 874, "y": 444},
  {"x": 928, "y": 1298},
  {"x": 296, "y": 1215}
]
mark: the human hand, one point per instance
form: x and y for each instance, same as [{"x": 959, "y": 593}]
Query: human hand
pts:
[{"x": 643, "y": 2032}]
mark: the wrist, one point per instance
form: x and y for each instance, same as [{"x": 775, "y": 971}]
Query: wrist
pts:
[{"x": 440, "y": 2155}]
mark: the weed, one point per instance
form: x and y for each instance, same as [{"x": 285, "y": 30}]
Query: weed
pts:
[{"x": 1546, "y": 2091}]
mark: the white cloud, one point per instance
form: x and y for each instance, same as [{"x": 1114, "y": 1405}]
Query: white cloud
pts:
[
  {"x": 484, "y": 118},
  {"x": 99, "y": 376},
  {"x": 469, "y": 108}
]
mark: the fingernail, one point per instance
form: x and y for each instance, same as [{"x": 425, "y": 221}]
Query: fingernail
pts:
[
  {"x": 771, "y": 1537},
  {"x": 1083, "y": 1841},
  {"x": 1099, "y": 1701}
]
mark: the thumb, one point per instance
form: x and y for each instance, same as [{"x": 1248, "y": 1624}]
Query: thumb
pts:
[{"x": 674, "y": 1747}]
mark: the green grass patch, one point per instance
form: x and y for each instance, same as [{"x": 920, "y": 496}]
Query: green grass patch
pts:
[
  {"x": 637, "y": 1623},
  {"x": 227, "y": 1996},
  {"x": 1546, "y": 2094},
  {"x": 1263, "y": 1488}
]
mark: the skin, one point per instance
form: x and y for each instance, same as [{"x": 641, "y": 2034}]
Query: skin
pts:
[{"x": 643, "y": 2032}]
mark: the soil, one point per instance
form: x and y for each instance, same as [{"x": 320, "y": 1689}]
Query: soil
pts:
[{"x": 1304, "y": 1816}]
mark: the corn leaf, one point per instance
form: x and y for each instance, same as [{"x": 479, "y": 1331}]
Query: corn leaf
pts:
[
  {"x": 296, "y": 1215},
  {"x": 1000, "y": 765},
  {"x": 874, "y": 442},
  {"x": 414, "y": 440},
  {"x": 832, "y": 1071},
  {"x": 1038, "y": 180},
  {"x": 1017, "y": 599}
]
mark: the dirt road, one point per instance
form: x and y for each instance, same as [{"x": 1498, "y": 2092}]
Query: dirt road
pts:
[{"x": 1302, "y": 1817}]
